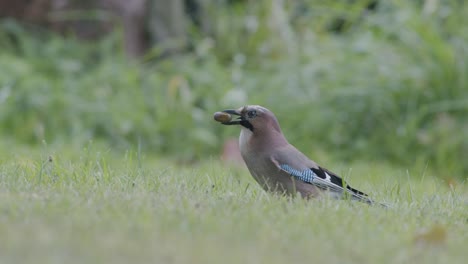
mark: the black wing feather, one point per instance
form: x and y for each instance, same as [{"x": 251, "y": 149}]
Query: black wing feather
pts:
[{"x": 335, "y": 179}]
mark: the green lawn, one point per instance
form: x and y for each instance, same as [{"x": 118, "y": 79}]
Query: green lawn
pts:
[{"x": 96, "y": 205}]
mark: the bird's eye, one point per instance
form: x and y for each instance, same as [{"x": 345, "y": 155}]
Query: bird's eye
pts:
[{"x": 251, "y": 113}]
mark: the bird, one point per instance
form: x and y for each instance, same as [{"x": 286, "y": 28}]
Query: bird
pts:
[{"x": 278, "y": 166}]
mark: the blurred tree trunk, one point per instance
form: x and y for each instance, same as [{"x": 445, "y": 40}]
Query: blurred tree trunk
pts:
[{"x": 133, "y": 18}]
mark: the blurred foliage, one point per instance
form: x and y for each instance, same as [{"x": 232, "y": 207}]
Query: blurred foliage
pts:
[{"x": 392, "y": 85}]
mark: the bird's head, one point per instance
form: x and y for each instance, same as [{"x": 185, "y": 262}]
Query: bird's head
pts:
[{"x": 253, "y": 117}]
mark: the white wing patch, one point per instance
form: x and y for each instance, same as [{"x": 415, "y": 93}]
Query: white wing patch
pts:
[{"x": 328, "y": 178}]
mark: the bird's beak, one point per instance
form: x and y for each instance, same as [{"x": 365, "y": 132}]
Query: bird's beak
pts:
[{"x": 233, "y": 112}]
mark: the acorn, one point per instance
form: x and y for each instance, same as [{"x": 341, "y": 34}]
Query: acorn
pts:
[{"x": 222, "y": 117}]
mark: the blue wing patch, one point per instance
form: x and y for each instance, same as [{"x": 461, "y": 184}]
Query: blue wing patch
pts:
[{"x": 305, "y": 175}]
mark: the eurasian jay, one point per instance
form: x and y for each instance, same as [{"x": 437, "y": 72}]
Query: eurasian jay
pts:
[{"x": 277, "y": 165}]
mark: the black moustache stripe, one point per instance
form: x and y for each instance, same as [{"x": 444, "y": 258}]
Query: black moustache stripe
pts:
[{"x": 247, "y": 124}]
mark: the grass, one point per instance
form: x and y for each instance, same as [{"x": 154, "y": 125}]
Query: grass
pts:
[{"x": 95, "y": 205}]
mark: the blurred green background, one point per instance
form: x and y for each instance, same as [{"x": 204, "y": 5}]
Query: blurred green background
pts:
[{"x": 368, "y": 80}]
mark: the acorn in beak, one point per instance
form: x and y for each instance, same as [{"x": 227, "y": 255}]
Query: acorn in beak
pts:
[{"x": 225, "y": 117}]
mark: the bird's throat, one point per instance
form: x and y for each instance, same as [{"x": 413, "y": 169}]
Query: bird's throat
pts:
[{"x": 244, "y": 138}]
